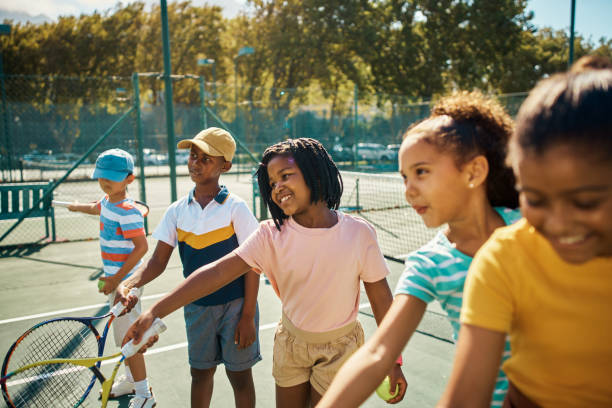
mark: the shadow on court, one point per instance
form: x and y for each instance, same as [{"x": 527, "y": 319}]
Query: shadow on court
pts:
[
  {"x": 21, "y": 250},
  {"x": 52, "y": 280}
]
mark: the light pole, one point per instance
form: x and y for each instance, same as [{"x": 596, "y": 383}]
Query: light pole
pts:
[
  {"x": 169, "y": 106},
  {"x": 243, "y": 51},
  {"x": 5, "y": 29},
  {"x": 571, "y": 44},
  {"x": 209, "y": 61}
]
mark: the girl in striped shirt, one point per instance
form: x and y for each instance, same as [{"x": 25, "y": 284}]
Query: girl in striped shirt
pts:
[{"x": 455, "y": 177}]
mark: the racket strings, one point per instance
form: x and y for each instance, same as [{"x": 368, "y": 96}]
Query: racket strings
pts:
[
  {"x": 59, "y": 339},
  {"x": 49, "y": 385},
  {"x": 63, "y": 384}
]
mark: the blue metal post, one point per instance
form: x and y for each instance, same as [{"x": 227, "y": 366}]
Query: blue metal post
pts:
[
  {"x": 139, "y": 138},
  {"x": 571, "y": 44},
  {"x": 5, "y": 29},
  {"x": 169, "y": 105}
]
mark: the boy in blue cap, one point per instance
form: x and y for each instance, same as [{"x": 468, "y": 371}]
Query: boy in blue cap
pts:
[{"x": 123, "y": 244}]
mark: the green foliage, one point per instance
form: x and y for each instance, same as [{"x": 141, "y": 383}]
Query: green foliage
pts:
[
  {"x": 308, "y": 55},
  {"x": 413, "y": 48}
]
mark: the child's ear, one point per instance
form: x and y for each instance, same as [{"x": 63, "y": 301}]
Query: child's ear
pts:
[
  {"x": 130, "y": 178},
  {"x": 226, "y": 166},
  {"x": 476, "y": 171}
]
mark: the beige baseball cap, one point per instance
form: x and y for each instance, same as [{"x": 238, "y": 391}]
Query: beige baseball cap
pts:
[{"x": 212, "y": 141}]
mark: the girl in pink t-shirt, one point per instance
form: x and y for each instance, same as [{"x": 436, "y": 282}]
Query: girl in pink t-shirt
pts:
[{"x": 315, "y": 258}]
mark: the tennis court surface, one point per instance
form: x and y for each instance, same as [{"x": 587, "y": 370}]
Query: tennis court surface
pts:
[{"x": 39, "y": 283}]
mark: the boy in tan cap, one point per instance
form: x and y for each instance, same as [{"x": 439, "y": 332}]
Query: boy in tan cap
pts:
[{"x": 207, "y": 224}]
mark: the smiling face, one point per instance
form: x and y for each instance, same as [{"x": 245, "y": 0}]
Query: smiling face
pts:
[
  {"x": 434, "y": 186},
  {"x": 289, "y": 190},
  {"x": 566, "y": 194},
  {"x": 204, "y": 169}
]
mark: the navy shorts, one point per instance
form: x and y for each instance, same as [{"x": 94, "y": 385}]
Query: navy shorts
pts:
[{"x": 210, "y": 337}]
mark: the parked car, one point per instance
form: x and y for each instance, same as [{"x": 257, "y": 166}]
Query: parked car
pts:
[
  {"x": 374, "y": 152},
  {"x": 395, "y": 149},
  {"x": 341, "y": 153},
  {"x": 182, "y": 155},
  {"x": 69, "y": 158},
  {"x": 36, "y": 156},
  {"x": 152, "y": 157}
]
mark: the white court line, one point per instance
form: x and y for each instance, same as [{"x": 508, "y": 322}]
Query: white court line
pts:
[
  {"x": 184, "y": 344},
  {"x": 96, "y": 306},
  {"x": 64, "y": 311},
  {"x": 76, "y": 309},
  {"x": 177, "y": 346},
  {"x": 156, "y": 350}
]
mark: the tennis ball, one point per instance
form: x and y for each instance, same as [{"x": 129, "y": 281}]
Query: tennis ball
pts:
[
  {"x": 384, "y": 390},
  {"x": 101, "y": 284}
]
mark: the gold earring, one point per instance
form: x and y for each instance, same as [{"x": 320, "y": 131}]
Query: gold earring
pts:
[{"x": 471, "y": 185}]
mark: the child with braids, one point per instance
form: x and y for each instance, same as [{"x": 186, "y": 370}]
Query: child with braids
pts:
[
  {"x": 315, "y": 258},
  {"x": 453, "y": 166}
]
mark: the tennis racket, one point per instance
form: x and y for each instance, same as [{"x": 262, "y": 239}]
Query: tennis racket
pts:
[
  {"x": 140, "y": 206},
  {"x": 59, "y": 338},
  {"x": 62, "y": 382}
]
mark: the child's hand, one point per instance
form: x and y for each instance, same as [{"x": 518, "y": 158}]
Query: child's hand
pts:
[
  {"x": 110, "y": 284},
  {"x": 138, "y": 328},
  {"x": 126, "y": 298},
  {"x": 396, "y": 378},
  {"x": 245, "y": 335},
  {"x": 73, "y": 207}
]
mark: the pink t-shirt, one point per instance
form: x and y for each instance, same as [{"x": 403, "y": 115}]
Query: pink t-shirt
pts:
[{"x": 316, "y": 271}]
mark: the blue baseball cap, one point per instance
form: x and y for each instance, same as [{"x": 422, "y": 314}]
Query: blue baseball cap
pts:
[{"x": 113, "y": 164}]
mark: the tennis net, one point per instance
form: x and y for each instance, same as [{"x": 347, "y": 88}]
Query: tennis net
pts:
[{"x": 379, "y": 199}]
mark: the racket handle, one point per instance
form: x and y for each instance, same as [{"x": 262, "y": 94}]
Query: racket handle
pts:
[
  {"x": 119, "y": 307},
  {"x": 57, "y": 203},
  {"x": 156, "y": 328}
]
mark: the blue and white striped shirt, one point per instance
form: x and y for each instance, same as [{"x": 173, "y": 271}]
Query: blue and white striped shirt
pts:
[
  {"x": 437, "y": 271},
  {"x": 119, "y": 223}
]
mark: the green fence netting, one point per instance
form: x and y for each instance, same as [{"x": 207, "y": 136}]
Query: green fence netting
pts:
[{"x": 49, "y": 122}]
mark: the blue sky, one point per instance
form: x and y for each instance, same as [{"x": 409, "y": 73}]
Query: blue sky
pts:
[{"x": 593, "y": 17}]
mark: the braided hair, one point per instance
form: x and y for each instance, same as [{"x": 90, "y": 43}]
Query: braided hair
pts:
[
  {"x": 468, "y": 124},
  {"x": 319, "y": 170}
]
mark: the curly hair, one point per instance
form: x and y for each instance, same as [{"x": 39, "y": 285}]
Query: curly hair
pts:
[
  {"x": 590, "y": 62},
  {"x": 319, "y": 170},
  {"x": 468, "y": 124}
]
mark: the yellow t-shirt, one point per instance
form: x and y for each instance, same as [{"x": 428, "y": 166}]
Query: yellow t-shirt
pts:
[{"x": 558, "y": 315}]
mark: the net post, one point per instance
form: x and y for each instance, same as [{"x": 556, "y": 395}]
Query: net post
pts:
[{"x": 357, "y": 195}]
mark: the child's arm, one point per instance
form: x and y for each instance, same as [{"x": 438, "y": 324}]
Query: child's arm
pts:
[
  {"x": 381, "y": 298},
  {"x": 246, "y": 331},
  {"x": 475, "y": 368},
  {"x": 201, "y": 282},
  {"x": 150, "y": 270},
  {"x": 365, "y": 370},
  {"x": 140, "y": 249},
  {"x": 87, "y": 208}
]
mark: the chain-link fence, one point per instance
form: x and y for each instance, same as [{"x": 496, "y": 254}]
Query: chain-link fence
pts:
[{"x": 49, "y": 123}]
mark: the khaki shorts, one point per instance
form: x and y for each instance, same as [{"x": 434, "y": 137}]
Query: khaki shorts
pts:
[
  {"x": 301, "y": 356},
  {"x": 121, "y": 324}
]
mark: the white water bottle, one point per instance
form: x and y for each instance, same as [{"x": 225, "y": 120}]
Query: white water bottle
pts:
[{"x": 129, "y": 349}]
